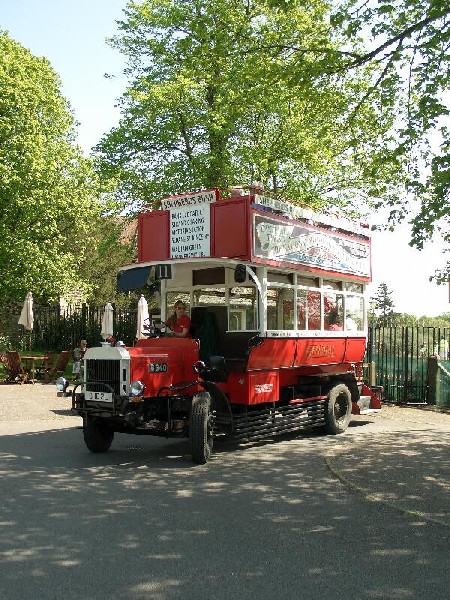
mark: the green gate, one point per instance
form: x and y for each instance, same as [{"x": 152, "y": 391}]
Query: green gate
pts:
[{"x": 401, "y": 357}]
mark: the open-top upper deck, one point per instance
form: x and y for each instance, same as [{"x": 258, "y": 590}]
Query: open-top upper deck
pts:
[
  {"x": 262, "y": 267},
  {"x": 257, "y": 229}
]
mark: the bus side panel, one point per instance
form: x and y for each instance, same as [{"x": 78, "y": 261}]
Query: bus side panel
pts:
[
  {"x": 153, "y": 236},
  {"x": 231, "y": 229},
  {"x": 272, "y": 353},
  {"x": 253, "y": 388},
  {"x": 355, "y": 350},
  {"x": 320, "y": 351}
]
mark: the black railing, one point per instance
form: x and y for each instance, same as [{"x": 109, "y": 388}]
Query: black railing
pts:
[
  {"x": 62, "y": 328},
  {"x": 401, "y": 354}
]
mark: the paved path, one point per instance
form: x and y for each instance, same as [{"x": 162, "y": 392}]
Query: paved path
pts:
[
  {"x": 404, "y": 462},
  {"x": 359, "y": 516}
]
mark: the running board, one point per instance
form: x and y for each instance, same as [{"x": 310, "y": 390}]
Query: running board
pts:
[{"x": 260, "y": 424}]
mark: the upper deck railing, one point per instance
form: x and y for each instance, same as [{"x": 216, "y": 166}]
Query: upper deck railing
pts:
[{"x": 254, "y": 228}]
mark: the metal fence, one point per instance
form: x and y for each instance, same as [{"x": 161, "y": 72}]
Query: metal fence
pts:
[
  {"x": 401, "y": 356},
  {"x": 441, "y": 387},
  {"x": 59, "y": 328}
]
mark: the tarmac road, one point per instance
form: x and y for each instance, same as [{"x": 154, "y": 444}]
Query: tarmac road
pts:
[{"x": 364, "y": 515}]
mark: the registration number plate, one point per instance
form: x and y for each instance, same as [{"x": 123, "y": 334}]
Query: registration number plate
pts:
[
  {"x": 98, "y": 396},
  {"x": 158, "y": 368}
]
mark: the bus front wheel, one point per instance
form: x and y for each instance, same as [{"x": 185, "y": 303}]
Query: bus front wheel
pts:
[
  {"x": 97, "y": 436},
  {"x": 201, "y": 428}
]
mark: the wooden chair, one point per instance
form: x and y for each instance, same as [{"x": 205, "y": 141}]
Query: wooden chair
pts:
[
  {"x": 47, "y": 364},
  {"x": 3, "y": 360},
  {"x": 58, "y": 367},
  {"x": 15, "y": 372}
]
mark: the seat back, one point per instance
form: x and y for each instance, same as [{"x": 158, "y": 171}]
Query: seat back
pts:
[
  {"x": 197, "y": 316},
  {"x": 207, "y": 334},
  {"x": 13, "y": 365},
  {"x": 50, "y": 362},
  {"x": 61, "y": 362},
  {"x": 4, "y": 361}
]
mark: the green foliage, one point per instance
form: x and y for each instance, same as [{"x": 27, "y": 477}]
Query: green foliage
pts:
[
  {"x": 226, "y": 92},
  {"x": 50, "y": 207},
  {"x": 406, "y": 320},
  {"x": 407, "y": 42},
  {"x": 382, "y": 305},
  {"x": 5, "y": 343}
]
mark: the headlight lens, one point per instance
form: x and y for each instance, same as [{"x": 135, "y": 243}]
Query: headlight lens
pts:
[
  {"x": 137, "y": 387},
  {"x": 61, "y": 384}
]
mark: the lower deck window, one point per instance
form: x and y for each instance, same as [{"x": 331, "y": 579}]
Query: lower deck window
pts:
[
  {"x": 308, "y": 309},
  {"x": 280, "y": 308},
  {"x": 242, "y": 309}
]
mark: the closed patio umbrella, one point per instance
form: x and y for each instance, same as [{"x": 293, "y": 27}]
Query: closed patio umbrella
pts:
[
  {"x": 26, "y": 316},
  {"x": 142, "y": 317},
  {"x": 107, "y": 322}
]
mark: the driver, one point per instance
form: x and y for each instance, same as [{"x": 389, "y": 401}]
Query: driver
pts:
[{"x": 179, "y": 323}]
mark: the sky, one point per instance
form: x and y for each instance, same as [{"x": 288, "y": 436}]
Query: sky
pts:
[{"x": 72, "y": 35}]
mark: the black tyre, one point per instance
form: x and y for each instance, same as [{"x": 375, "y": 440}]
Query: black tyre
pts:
[
  {"x": 201, "y": 428},
  {"x": 97, "y": 436},
  {"x": 338, "y": 409}
]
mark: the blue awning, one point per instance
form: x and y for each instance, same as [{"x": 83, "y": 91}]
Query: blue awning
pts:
[{"x": 132, "y": 279}]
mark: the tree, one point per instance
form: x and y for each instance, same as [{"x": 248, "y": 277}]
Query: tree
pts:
[
  {"x": 407, "y": 42},
  {"x": 383, "y": 305},
  {"x": 50, "y": 198},
  {"x": 224, "y": 92}
]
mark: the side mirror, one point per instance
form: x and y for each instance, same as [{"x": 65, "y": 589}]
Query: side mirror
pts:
[{"x": 240, "y": 273}]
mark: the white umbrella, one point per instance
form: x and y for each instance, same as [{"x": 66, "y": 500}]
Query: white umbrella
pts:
[
  {"x": 142, "y": 317},
  {"x": 26, "y": 316},
  {"x": 107, "y": 322}
]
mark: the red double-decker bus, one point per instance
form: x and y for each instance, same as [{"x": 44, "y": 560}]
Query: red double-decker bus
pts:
[{"x": 278, "y": 325}]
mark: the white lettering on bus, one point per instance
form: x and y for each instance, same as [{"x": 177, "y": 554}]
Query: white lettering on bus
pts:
[
  {"x": 278, "y": 242},
  {"x": 188, "y": 200}
]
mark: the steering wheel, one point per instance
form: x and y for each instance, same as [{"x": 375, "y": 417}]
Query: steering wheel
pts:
[{"x": 150, "y": 331}]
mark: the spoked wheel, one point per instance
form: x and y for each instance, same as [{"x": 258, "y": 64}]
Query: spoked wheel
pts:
[
  {"x": 338, "y": 410},
  {"x": 201, "y": 428},
  {"x": 97, "y": 436}
]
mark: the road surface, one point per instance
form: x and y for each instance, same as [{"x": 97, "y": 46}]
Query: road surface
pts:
[{"x": 364, "y": 515}]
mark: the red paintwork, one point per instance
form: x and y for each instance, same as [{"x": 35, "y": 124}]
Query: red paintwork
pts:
[
  {"x": 177, "y": 353},
  {"x": 275, "y": 362},
  {"x": 253, "y": 388},
  {"x": 154, "y": 245},
  {"x": 272, "y": 365},
  {"x": 227, "y": 214},
  {"x": 374, "y": 393},
  {"x": 287, "y": 352},
  {"x": 153, "y": 236},
  {"x": 273, "y": 353}
]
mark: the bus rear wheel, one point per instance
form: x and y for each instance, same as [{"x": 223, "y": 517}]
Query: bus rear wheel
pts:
[
  {"x": 338, "y": 409},
  {"x": 201, "y": 428}
]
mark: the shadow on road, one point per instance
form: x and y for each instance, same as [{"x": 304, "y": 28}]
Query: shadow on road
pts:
[{"x": 264, "y": 521}]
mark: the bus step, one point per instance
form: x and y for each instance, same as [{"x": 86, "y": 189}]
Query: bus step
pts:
[{"x": 364, "y": 406}]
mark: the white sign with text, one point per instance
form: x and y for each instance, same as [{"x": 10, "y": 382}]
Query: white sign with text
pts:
[{"x": 190, "y": 234}]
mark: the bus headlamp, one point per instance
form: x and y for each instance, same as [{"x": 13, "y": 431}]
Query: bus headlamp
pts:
[
  {"x": 137, "y": 388},
  {"x": 61, "y": 384}
]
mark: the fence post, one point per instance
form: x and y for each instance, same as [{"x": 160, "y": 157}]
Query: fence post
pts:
[
  {"x": 432, "y": 380},
  {"x": 372, "y": 374}
]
